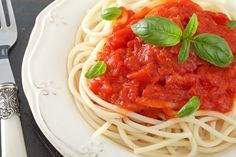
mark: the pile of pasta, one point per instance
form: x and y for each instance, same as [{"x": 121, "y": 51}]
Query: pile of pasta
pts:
[{"x": 202, "y": 132}]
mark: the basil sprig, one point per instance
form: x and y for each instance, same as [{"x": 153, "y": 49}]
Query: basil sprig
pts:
[
  {"x": 97, "y": 70},
  {"x": 161, "y": 31},
  {"x": 111, "y": 13},
  {"x": 189, "y": 108},
  {"x": 213, "y": 49},
  {"x": 189, "y": 31},
  {"x": 232, "y": 24},
  {"x": 158, "y": 31}
]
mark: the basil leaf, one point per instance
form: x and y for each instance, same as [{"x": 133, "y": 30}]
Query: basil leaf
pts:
[
  {"x": 97, "y": 70},
  {"x": 189, "y": 108},
  {"x": 232, "y": 24},
  {"x": 158, "y": 31},
  {"x": 184, "y": 51},
  {"x": 191, "y": 27},
  {"x": 213, "y": 49},
  {"x": 111, "y": 13}
]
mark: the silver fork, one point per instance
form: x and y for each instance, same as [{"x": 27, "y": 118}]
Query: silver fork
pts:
[{"x": 12, "y": 139}]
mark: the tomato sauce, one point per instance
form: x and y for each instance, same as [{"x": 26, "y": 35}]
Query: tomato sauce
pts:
[{"x": 148, "y": 79}]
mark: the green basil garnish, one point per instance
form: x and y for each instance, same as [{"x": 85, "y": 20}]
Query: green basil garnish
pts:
[
  {"x": 213, "y": 49},
  {"x": 158, "y": 31},
  {"x": 184, "y": 51},
  {"x": 161, "y": 31},
  {"x": 189, "y": 108},
  {"x": 191, "y": 27},
  {"x": 97, "y": 70},
  {"x": 232, "y": 24},
  {"x": 111, "y": 13}
]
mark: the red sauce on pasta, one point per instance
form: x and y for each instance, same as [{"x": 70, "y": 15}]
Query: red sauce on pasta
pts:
[{"x": 148, "y": 79}]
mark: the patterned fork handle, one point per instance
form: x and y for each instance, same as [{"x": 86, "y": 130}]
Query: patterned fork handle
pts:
[
  {"x": 8, "y": 100},
  {"x": 11, "y": 131}
]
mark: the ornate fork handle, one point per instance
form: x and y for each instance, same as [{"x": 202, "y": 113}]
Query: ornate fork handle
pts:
[
  {"x": 11, "y": 131},
  {"x": 9, "y": 103}
]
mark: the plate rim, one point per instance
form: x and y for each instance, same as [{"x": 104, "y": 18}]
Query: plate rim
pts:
[{"x": 38, "y": 29}]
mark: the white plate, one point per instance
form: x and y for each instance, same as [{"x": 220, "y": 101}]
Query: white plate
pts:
[{"x": 44, "y": 78}]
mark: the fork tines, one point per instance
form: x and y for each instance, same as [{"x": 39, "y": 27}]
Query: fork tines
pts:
[
  {"x": 12, "y": 22},
  {"x": 8, "y": 29}
]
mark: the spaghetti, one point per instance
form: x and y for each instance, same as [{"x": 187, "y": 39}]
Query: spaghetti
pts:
[{"x": 203, "y": 132}]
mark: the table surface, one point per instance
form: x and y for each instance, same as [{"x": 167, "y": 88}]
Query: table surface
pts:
[{"x": 26, "y": 11}]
